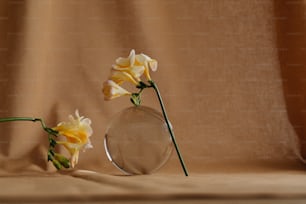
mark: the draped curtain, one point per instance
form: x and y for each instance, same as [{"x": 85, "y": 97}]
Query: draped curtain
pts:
[{"x": 231, "y": 72}]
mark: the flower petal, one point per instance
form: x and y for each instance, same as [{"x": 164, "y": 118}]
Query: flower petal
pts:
[
  {"x": 121, "y": 76},
  {"x": 123, "y": 62},
  {"x": 137, "y": 71},
  {"x": 153, "y": 65},
  {"x": 112, "y": 90},
  {"x": 74, "y": 158},
  {"x": 132, "y": 57},
  {"x": 142, "y": 58},
  {"x": 148, "y": 63}
]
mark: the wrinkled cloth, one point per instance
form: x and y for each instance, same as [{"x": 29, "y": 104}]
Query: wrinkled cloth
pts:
[
  {"x": 231, "y": 73},
  {"x": 90, "y": 187}
]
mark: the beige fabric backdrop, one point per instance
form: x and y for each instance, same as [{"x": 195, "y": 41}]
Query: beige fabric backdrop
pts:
[{"x": 224, "y": 67}]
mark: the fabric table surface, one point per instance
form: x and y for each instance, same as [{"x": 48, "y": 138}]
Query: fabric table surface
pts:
[{"x": 85, "y": 186}]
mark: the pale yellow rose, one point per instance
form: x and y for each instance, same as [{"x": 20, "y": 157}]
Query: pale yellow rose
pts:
[
  {"x": 112, "y": 90},
  {"x": 77, "y": 132}
]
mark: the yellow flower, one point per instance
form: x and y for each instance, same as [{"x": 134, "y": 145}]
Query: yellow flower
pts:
[
  {"x": 147, "y": 62},
  {"x": 77, "y": 132},
  {"x": 112, "y": 90},
  {"x": 135, "y": 66},
  {"x": 129, "y": 69},
  {"x": 129, "y": 66}
]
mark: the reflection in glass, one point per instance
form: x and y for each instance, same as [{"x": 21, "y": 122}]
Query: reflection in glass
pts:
[{"x": 137, "y": 140}]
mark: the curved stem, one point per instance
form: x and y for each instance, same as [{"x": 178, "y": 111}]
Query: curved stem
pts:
[
  {"x": 169, "y": 127},
  {"x": 58, "y": 160},
  {"x": 43, "y": 125},
  {"x": 10, "y": 119}
]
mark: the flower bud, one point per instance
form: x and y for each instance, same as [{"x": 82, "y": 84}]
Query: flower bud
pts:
[
  {"x": 113, "y": 90},
  {"x": 57, "y": 164},
  {"x": 62, "y": 160}
]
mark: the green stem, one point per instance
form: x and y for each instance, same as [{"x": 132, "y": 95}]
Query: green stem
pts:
[
  {"x": 169, "y": 127},
  {"x": 11, "y": 119},
  {"x": 58, "y": 160}
]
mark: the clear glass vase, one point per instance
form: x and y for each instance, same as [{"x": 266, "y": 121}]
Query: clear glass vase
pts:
[{"x": 137, "y": 140}]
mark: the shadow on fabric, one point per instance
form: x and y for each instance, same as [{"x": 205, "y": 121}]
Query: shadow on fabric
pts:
[{"x": 291, "y": 45}]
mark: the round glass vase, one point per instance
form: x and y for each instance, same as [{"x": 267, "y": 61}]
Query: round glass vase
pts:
[{"x": 137, "y": 141}]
